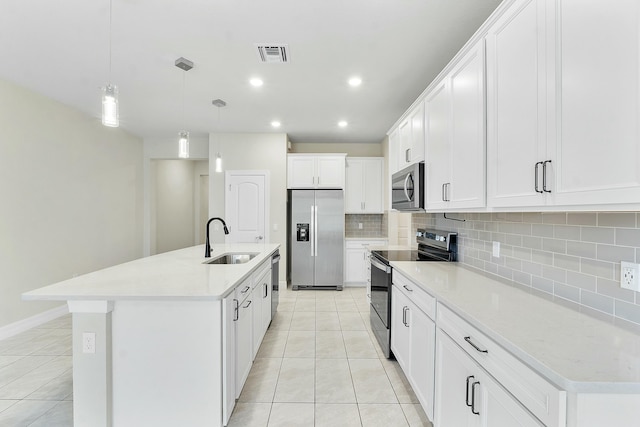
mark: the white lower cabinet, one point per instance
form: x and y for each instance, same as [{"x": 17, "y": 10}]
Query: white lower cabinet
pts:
[
  {"x": 244, "y": 340},
  {"x": 356, "y": 262},
  {"x": 413, "y": 339},
  {"x": 467, "y": 396}
]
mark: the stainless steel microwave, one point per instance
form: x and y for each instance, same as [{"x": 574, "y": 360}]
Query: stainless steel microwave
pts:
[{"x": 407, "y": 188}]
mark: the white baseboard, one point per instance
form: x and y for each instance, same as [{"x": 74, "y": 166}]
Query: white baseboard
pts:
[{"x": 31, "y": 322}]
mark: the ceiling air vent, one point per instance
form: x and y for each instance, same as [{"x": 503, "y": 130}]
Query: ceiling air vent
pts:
[{"x": 273, "y": 53}]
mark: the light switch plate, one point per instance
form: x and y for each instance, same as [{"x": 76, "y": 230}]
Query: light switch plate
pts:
[{"x": 496, "y": 249}]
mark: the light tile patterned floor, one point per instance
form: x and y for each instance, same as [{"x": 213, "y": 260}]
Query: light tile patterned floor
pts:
[
  {"x": 35, "y": 377},
  {"x": 318, "y": 365}
]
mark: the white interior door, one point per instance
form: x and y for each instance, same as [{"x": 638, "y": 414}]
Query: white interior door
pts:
[{"x": 246, "y": 206}]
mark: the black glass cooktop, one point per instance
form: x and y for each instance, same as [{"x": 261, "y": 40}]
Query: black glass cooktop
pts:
[{"x": 400, "y": 255}]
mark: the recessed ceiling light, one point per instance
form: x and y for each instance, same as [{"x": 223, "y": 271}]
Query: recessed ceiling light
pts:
[
  {"x": 275, "y": 124},
  {"x": 342, "y": 123},
  {"x": 256, "y": 82},
  {"x": 355, "y": 81}
]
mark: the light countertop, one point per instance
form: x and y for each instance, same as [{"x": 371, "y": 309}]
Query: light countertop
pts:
[
  {"x": 174, "y": 275},
  {"x": 573, "y": 350}
]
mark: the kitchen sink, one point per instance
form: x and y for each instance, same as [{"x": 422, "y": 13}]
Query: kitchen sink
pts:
[{"x": 232, "y": 258}]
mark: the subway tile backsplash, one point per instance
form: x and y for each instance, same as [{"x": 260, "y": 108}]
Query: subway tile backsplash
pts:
[
  {"x": 571, "y": 257},
  {"x": 373, "y": 225}
]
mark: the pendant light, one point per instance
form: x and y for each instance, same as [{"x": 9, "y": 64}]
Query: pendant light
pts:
[
  {"x": 110, "y": 116},
  {"x": 218, "y": 103},
  {"x": 183, "y": 136}
]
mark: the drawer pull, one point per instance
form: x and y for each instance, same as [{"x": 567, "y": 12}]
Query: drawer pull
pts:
[
  {"x": 466, "y": 399},
  {"x": 248, "y": 304},
  {"x": 407, "y": 288},
  {"x": 244, "y": 291},
  {"x": 473, "y": 398},
  {"x": 468, "y": 339}
]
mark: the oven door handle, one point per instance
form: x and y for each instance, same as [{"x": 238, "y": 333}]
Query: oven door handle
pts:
[{"x": 380, "y": 266}]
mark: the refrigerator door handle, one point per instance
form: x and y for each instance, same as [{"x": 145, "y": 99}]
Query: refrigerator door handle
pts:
[
  {"x": 312, "y": 231},
  {"x": 315, "y": 227}
]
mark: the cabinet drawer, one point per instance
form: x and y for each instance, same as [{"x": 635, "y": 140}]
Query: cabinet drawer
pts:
[
  {"x": 244, "y": 290},
  {"x": 416, "y": 294},
  {"x": 542, "y": 398},
  {"x": 261, "y": 269}
]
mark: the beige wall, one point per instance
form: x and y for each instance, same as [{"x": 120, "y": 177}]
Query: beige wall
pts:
[
  {"x": 71, "y": 192},
  {"x": 353, "y": 149},
  {"x": 174, "y": 204},
  {"x": 252, "y": 151}
]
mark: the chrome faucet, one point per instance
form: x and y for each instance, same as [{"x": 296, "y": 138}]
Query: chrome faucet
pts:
[{"x": 207, "y": 246}]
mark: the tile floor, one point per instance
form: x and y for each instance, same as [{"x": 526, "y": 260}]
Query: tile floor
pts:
[
  {"x": 35, "y": 377},
  {"x": 318, "y": 365}
]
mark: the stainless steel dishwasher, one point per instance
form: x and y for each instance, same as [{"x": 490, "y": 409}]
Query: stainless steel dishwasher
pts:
[{"x": 275, "y": 276}]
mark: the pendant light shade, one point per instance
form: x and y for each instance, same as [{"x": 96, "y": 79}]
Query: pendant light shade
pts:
[
  {"x": 183, "y": 144},
  {"x": 218, "y": 163},
  {"x": 110, "y": 115}
]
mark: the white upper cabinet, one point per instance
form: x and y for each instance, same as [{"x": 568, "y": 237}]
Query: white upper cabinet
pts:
[
  {"x": 596, "y": 148},
  {"x": 516, "y": 105},
  {"x": 563, "y": 104},
  {"x": 364, "y": 187},
  {"x": 411, "y": 138},
  {"x": 455, "y": 136},
  {"x": 315, "y": 171},
  {"x": 394, "y": 149}
]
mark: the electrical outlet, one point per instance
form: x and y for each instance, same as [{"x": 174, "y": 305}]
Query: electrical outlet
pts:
[
  {"x": 496, "y": 249},
  {"x": 630, "y": 276},
  {"x": 89, "y": 342},
  {"x": 360, "y": 226}
]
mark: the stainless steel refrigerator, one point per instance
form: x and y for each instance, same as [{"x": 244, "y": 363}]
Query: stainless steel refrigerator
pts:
[{"x": 316, "y": 239}]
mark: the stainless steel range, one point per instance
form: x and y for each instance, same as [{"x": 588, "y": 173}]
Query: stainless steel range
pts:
[{"x": 433, "y": 245}]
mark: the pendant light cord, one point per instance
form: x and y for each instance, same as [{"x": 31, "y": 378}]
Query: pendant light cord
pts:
[
  {"x": 110, "y": 13},
  {"x": 183, "y": 87}
]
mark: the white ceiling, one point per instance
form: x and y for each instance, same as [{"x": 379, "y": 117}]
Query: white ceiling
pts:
[{"x": 60, "y": 49}]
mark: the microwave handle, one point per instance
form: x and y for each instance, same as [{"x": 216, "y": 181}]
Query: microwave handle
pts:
[{"x": 406, "y": 192}]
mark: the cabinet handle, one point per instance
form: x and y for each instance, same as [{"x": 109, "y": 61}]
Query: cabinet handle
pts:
[
  {"x": 536, "y": 177},
  {"x": 407, "y": 288},
  {"x": 244, "y": 291},
  {"x": 466, "y": 398},
  {"x": 448, "y": 199},
  {"x": 468, "y": 339},
  {"x": 318, "y": 180},
  {"x": 236, "y": 315},
  {"x": 248, "y": 304},
  {"x": 406, "y": 155},
  {"x": 266, "y": 290},
  {"x": 473, "y": 398},
  {"x": 443, "y": 197},
  {"x": 404, "y": 316},
  {"x": 544, "y": 176}
]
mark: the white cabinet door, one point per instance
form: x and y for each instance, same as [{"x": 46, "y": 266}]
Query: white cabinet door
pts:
[
  {"x": 363, "y": 187},
  {"x": 355, "y": 265},
  {"x": 373, "y": 185},
  {"x": 405, "y": 144},
  {"x": 394, "y": 150},
  {"x": 438, "y": 142},
  {"x": 467, "y": 396},
  {"x": 229, "y": 312},
  {"x": 315, "y": 171},
  {"x": 400, "y": 337},
  {"x": 256, "y": 317},
  {"x": 354, "y": 186},
  {"x": 596, "y": 156},
  {"x": 244, "y": 342},
  {"x": 301, "y": 172},
  {"x": 422, "y": 339},
  {"x": 265, "y": 292},
  {"x": 455, "y": 376},
  {"x": 330, "y": 171},
  {"x": 467, "y": 84},
  {"x": 516, "y": 105},
  {"x": 416, "y": 149}
]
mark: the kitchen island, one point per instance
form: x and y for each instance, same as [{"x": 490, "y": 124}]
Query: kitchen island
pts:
[{"x": 154, "y": 339}]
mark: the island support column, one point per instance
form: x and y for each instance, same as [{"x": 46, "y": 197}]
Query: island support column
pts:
[{"x": 92, "y": 371}]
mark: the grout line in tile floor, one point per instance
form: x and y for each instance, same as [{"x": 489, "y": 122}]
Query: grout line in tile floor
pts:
[{"x": 36, "y": 377}]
